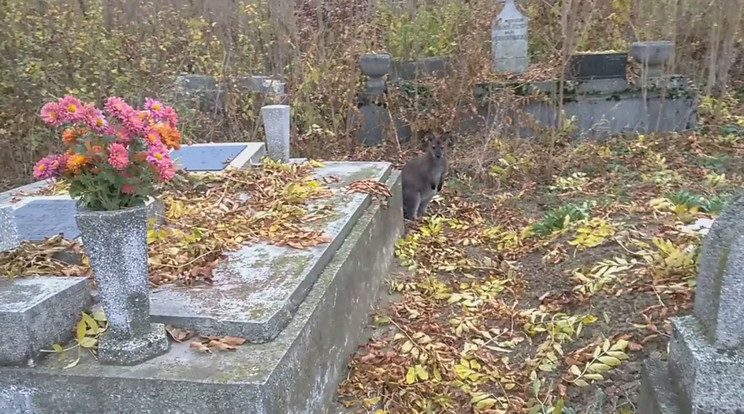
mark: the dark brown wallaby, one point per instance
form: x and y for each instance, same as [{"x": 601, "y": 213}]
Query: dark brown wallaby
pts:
[{"x": 423, "y": 176}]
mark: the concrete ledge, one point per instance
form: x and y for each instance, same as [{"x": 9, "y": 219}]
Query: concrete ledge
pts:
[
  {"x": 297, "y": 373},
  {"x": 37, "y": 312},
  {"x": 657, "y": 392}
]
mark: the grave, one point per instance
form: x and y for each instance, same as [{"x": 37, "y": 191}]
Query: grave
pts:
[
  {"x": 509, "y": 40},
  {"x": 302, "y": 312},
  {"x": 207, "y": 94},
  {"x": 704, "y": 371},
  {"x": 214, "y": 157}
]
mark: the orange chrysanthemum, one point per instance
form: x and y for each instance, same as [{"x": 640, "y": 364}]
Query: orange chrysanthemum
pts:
[
  {"x": 71, "y": 135},
  {"x": 170, "y": 137},
  {"x": 75, "y": 162}
]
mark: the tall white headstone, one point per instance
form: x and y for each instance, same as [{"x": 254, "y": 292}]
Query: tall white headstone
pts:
[
  {"x": 276, "y": 123},
  {"x": 509, "y": 40}
]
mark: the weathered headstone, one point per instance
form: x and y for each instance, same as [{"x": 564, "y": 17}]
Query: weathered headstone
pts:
[
  {"x": 509, "y": 40},
  {"x": 276, "y": 124},
  {"x": 8, "y": 229},
  {"x": 705, "y": 369}
]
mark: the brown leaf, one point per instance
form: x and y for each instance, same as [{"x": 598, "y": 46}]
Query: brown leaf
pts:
[
  {"x": 220, "y": 345},
  {"x": 197, "y": 345},
  {"x": 233, "y": 340},
  {"x": 178, "y": 335}
]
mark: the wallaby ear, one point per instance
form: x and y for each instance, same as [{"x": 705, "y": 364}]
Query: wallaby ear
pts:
[{"x": 446, "y": 137}]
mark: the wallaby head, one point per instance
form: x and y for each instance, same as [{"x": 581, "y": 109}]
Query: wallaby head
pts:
[{"x": 436, "y": 146}]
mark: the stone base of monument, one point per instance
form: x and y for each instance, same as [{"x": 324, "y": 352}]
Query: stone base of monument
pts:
[
  {"x": 301, "y": 311},
  {"x": 697, "y": 379}
]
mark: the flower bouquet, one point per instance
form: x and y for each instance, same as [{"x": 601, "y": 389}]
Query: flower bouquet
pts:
[
  {"x": 112, "y": 164},
  {"x": 112, "y": 160}
]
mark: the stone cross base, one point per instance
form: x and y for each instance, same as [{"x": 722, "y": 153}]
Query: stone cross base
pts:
[
  {"x": 697, "y": 379},
  {"x": 136, "y": 350}
]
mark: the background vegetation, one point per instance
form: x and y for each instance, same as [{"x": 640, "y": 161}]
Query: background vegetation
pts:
[{"x": 136, "y": 48}]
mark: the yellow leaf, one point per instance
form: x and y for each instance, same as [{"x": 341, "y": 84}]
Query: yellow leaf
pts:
[
  {"x": 575, "y": 370},
  {"x": 92, "y": 324},
  {"x": 606, "y": 345},
  {"x": 370, "y": 402},
  {"x": 99, "y": 316},
  {"x": 620, "y": 345},
  {"x": 437, "y": 375},
  {"x": 80, "y": 332},
  {"x": 88, "y": 342},
  {"x": 485, "y": 403},
  {"x": 422, "y": 373},
  {"x": 611, "y": 361},
  {"x": 406, "y": 347},
  {"x": 411, "y": 375},
  {"x": 598, "y": 367},
  {"x": 581, "y": 383},
  {"x": 594, "y": 377},
  {"x": 618, "y": 354}
]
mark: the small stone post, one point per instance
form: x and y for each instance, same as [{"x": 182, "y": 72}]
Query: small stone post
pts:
[
  {"x": 509, "y": 40},
  {"x": 373, "y": 114},
  {"x": 276, "y": 124},
  {"x": 705, "y": 368},
  {"x": 653, "y": 56},
  {"x": 8, "y": 230}
]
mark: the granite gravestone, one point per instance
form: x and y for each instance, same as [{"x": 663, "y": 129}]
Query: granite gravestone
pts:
[
  {"x": 509, "y": 40},
  {"x": 705, "y": 368}
]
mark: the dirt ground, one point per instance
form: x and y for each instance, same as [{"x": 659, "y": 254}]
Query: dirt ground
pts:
[{"x": 530, "y": 293}]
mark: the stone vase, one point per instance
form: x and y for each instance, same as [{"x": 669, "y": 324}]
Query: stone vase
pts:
[
  {"x": 116, "y": 245},
  {"x": 375, "y": 66}
]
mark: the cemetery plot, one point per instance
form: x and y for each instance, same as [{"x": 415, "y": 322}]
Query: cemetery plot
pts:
[{"x": 256, "y": 289}]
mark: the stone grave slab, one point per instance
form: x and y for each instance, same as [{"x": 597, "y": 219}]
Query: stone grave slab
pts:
[
  {"x": 39, "y": 311},
  {"x": 213, "y": 157},
  {"x": 257, "y": 290},
  {"x": 40, "y": 217}
]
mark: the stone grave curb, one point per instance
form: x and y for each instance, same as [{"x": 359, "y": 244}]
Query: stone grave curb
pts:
[
  {"x": 296, "y": 373},
  {"x": 55, "y": 307}
]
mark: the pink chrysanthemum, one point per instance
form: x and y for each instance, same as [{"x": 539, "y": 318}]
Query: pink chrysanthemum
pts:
[
  {"x": 48, "y": 167},
  {"x": 166, "y": 172},
  {"x": 134, "y": 123},
  {"x": 156, "y": 108},
  {"x": 72, "y": 109},
  {"x": 117, "y": 108},
  {"x": 118, "y": 156},
  {"x": 158, "y": 155},
  {"x": 51, "y": 113},
  {"x": 170, "y": 116},
  {"x": 153, "y": 138},
  {"x": 122, "y": 136},
  {"x": 96, "y": 120}
]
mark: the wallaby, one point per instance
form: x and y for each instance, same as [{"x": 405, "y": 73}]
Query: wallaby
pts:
[{"x": 424, "y": 175}]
